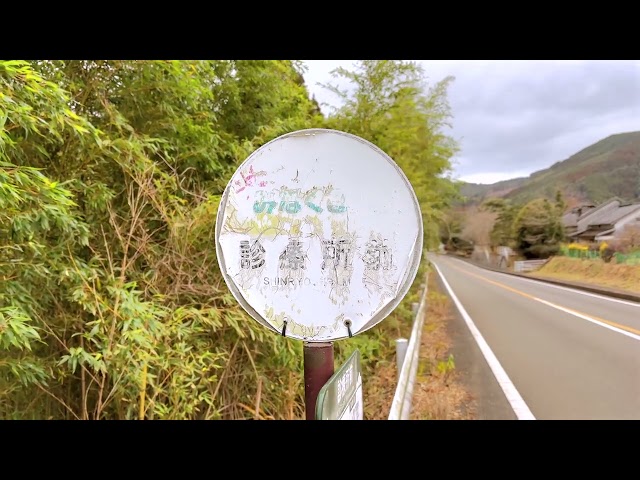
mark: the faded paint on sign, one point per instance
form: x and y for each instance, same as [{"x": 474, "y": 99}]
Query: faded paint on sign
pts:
[{"x": 311, "y": 238}]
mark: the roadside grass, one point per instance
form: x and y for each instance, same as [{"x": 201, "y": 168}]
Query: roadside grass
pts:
[
  {"x": 378, "y": 391},
  {"x": 592, "y": 271},
  {"x": 438, "y": 394}
]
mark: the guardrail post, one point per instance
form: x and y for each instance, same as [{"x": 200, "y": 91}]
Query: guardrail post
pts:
[{"x": 403, "y": 343}]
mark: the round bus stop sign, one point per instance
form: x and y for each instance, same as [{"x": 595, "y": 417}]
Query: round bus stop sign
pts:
[{"x": 319, "y": 235}]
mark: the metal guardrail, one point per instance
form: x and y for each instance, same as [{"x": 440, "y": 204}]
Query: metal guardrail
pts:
[
  {"x": 408, "y": 359},
  {"x": 528, "y": 265}
]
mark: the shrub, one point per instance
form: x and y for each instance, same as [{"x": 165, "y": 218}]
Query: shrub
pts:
[{"x": 606, "y": 252}]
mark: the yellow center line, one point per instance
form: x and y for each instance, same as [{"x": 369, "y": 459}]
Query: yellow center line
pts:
[{"x": 531, "y": 297}]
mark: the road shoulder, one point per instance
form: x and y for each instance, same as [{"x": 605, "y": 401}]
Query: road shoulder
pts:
[{"x": 473, "y": 371}]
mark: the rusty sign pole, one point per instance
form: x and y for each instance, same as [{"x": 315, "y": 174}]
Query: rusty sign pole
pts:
[{"x": 318, "y": 368}]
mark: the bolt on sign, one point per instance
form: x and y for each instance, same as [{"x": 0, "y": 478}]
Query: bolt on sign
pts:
[
  {"x": 319, "y": 235},
  {"x": 341, "y": 397}
]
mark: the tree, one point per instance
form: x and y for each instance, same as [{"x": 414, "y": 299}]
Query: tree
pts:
[
  {"x": 556, "y": 227},
  {"x": 537, "y": 229},
  {"x": 450, "y": 227},
  {"x": 478, "y": 225},
  {"x": 560, "y": 203},
  {"x": 389, "y": 103},
  {"x": 502, "y": 231}
]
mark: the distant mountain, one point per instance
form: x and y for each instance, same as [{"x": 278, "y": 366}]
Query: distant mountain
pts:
[
  {"x": 608, "y": 168},
  {"x": 476, "y": 192}
]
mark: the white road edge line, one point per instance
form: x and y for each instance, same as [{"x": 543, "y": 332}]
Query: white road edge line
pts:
[
  {"x": 588, "y": 318},
  {"x": 569, "y": 289},
  {"x": 510, "y": 391},
  {"x": 578, "y": 314}
]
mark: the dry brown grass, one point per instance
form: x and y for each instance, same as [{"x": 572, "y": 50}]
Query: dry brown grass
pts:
[
  {"x": 379, "y": 390},
  {"x": 438, "y": 394},
  {"x": 595, "y": 272}
]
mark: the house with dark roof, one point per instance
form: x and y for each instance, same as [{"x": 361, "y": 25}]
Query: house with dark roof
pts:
[
  {"x": 570, "y": 219},
  {"x": 588, "y": 223},
  {"x": 626, "y": 216}
]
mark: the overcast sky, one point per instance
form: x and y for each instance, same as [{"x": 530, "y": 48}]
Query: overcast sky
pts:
[{"x": 514, "y": 117}]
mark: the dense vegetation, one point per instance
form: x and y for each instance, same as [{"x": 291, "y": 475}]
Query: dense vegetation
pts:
[
  {"x": 533, "y": 229},
  {"x": 112, "y": 305}
]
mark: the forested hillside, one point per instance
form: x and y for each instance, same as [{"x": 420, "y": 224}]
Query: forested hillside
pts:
[{"x": 608, "y": 168}]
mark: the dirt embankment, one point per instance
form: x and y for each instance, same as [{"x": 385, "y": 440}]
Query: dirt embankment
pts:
[{"x": 594, "y": 272}]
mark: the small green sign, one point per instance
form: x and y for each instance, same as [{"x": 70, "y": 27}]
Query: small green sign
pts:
[{"x": 341, "y": 397}]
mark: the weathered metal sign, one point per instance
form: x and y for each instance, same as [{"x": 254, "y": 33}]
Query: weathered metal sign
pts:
[
  {"x": 319, "y": 235},
  {"x": 341, "y": 397}
]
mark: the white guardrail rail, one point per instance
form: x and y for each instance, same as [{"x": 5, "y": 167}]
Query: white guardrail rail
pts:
[
  {"x": 401, "y": 404},
  {"x": 523, "y": 266}
]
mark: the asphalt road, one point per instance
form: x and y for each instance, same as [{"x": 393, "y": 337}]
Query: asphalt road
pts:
[{"x": 554, "y": 353}]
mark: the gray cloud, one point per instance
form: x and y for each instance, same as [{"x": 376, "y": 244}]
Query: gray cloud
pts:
[{"x": 515, "y": 117}]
